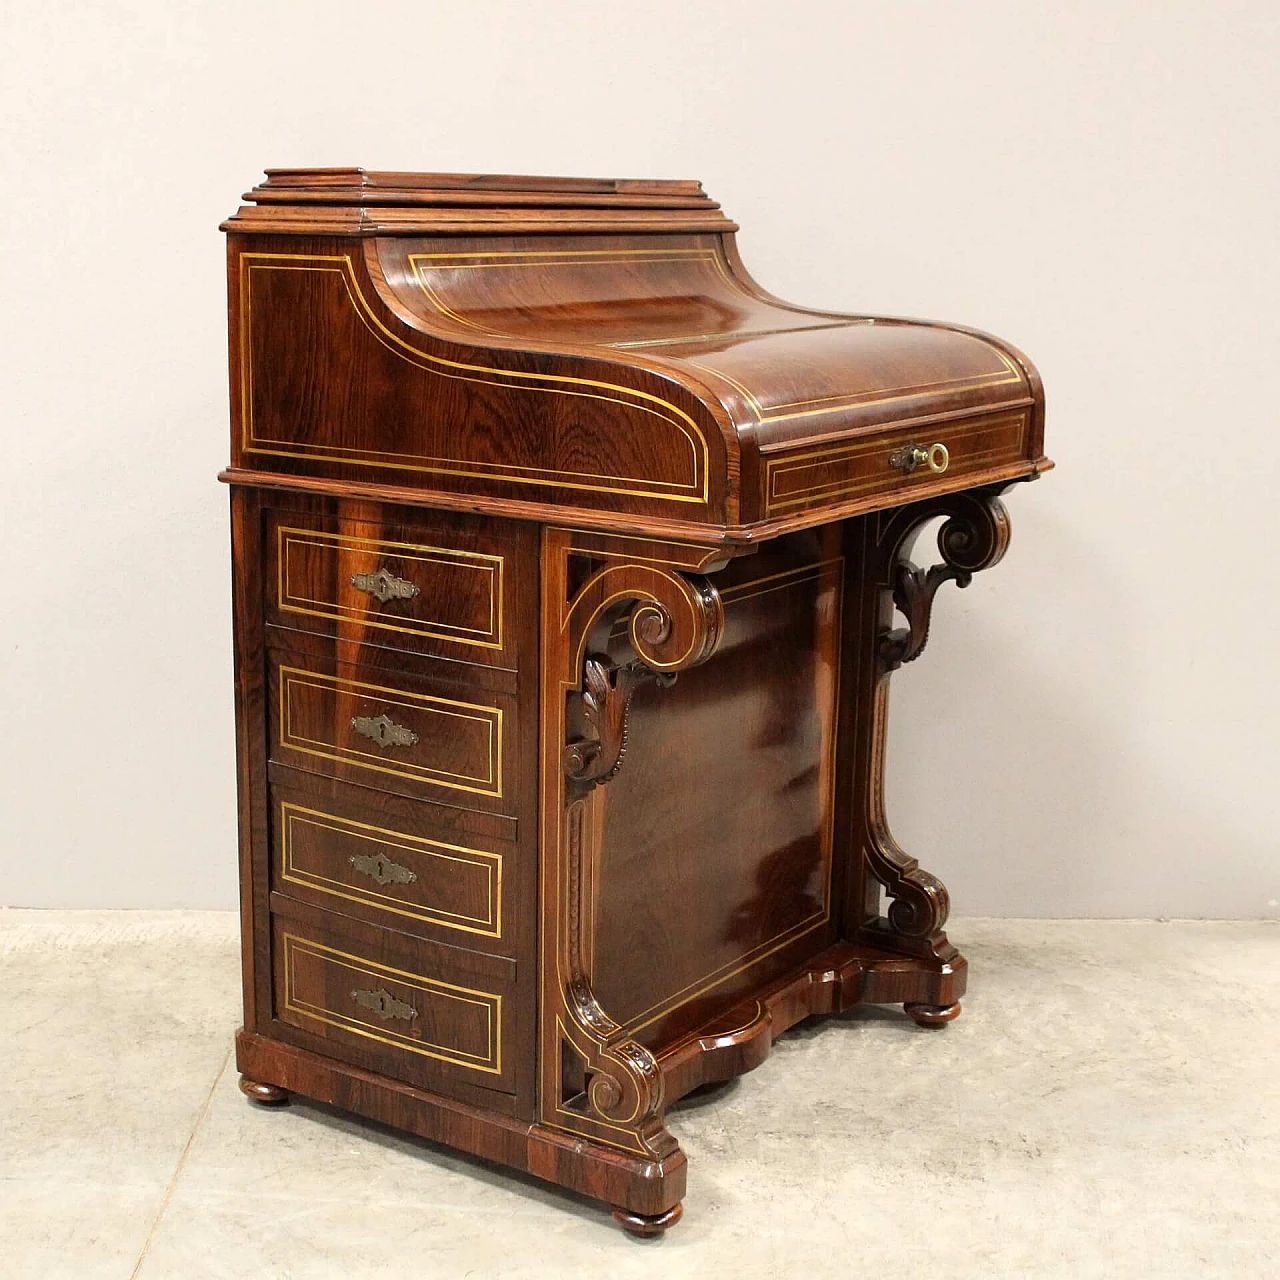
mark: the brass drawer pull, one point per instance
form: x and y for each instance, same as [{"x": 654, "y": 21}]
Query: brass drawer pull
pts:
[
  {"x": 384, "y": 1004},
  {"x": 381, "y": 869},
  {"x": 384, "y": 731},
  {"x": 384, "y": 586},
  {"x": 911, "y": 456}
]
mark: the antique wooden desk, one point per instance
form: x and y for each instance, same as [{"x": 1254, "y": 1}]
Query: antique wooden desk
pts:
[{"x": 566, "y": 568}]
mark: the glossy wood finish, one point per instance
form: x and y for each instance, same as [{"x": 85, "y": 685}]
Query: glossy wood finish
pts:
[
  {"x": 765, "y": 898},
  {"x": 267, "y": 1095},
  {"x": 390, "y": 865},
  {"x": 437, "y": 1016},
  {"x": 633, "y": 370},
  {"x": 438, "y": 739},
  {"x": 571, "y": 571},
  {"x": 362, "y": 581}
]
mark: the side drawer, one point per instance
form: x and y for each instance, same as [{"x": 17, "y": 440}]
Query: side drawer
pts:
[
  {"x": 429, "y": 737},
  {"x": 444, "y": 588},
  {"x": 866, "y": 465},
  {"x": 414, "y": 1010},
  {"x": 396, "y": 863}
]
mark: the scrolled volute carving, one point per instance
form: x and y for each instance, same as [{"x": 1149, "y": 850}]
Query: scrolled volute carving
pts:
[
  {"x": 974, "y": 537},
  {"x": 669, "y": 633},
  {"x": 673, "y": 621},
  {"x": 631, "y": 1091},
  {"x": 680, "y": 630},
  {"x": 920, "y": 903}
]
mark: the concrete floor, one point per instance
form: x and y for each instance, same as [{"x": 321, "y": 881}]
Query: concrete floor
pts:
[{"x": 1107, "y": 1106}]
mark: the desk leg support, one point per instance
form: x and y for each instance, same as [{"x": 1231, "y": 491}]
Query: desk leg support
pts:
[
  {"x": 599, "y": 1088},
  {"x": 973, "y": 537}
]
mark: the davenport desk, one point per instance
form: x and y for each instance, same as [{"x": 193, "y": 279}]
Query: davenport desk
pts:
[{"x": 570, "y": 568}]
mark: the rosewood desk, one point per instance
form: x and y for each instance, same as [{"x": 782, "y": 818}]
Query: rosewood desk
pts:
[{"x": 570, "y": 568}]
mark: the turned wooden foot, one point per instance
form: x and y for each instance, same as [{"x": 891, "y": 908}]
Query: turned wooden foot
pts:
[
  {"x": 647, "y": 1225},
  {"x": 933, "y": 1016},
  {"x": 267, "y": 1095}
]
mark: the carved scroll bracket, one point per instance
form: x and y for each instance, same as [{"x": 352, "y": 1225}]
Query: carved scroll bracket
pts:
[
  {"x": 673, "y": 620},
  {"x": 973, "y": 537},
  {"x": 604, "y": 698}
]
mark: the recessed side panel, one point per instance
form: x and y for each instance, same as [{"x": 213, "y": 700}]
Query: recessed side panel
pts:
[{"x": 726, "y": 800}]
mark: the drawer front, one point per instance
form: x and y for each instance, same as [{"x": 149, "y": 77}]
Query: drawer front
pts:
[
  {"x": 365, "y": 861},
  {"x": 444, "y": 591},
  {"x": 402, "y": 1007},
  {"x": 435, "y": 739},
  {"x": 857, "y": 468}
]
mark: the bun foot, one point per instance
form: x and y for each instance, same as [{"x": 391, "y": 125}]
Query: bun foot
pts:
[
  {"x": 933, "y": 1016},
  {"x": 647, "y": 1225},
  {"x": 267, "y": 1095}
]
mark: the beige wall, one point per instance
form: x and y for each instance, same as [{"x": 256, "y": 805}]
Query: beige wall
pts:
[{"x": 1094, "y": 728}]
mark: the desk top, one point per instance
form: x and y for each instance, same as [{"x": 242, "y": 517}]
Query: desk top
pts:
[{"x": 592, "y": 351}]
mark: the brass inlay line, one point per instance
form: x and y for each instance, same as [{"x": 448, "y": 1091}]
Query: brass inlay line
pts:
[
  {"x": 491, "y": 1002},
  {"x": 763, "y": 950},
  {"x": 520, "y": 256},
  {"x": 490, "y": 786},
  {"x": 853, "y": 451},
  {"x": 538, "y": 258},
  {"x": 838, "y": 402},
  {"x": 490, "y": 925},
  {"x": 749, "y": 590},
  {"x": 732, "y": 334},
  {"x": 287, "y": 538},
  {"x": 695, "y": 491},
  {"x": 801, "y": 573}
]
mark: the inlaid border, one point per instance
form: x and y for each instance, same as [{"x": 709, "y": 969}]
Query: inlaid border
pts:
[
  {"x": 832, "y": 571},
  {"x": 490, "y": 1001},
  {"x": 853, "y": 451},
  {"x": 491, "y": 717},
  {"x": 488, "y": 926},
  {"x": 1007, "y": 374},
  {"x": 695, "y": 490},
  {"x": 287, "y": 537}
]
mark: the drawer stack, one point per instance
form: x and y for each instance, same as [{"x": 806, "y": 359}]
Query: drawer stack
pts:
[{"x": 398, "y": 856}]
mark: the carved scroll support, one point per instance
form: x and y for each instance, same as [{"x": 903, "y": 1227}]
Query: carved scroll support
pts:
[
  {"x": 604, "y": 701},
  {"x": 973, "y": 537},
  {"x": 597, "y": 1082}
]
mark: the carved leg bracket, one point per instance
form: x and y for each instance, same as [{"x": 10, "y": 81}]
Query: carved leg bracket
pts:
[
  {"x": 973, "y": 537},
  {"x": 597, "y": 1083}
]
